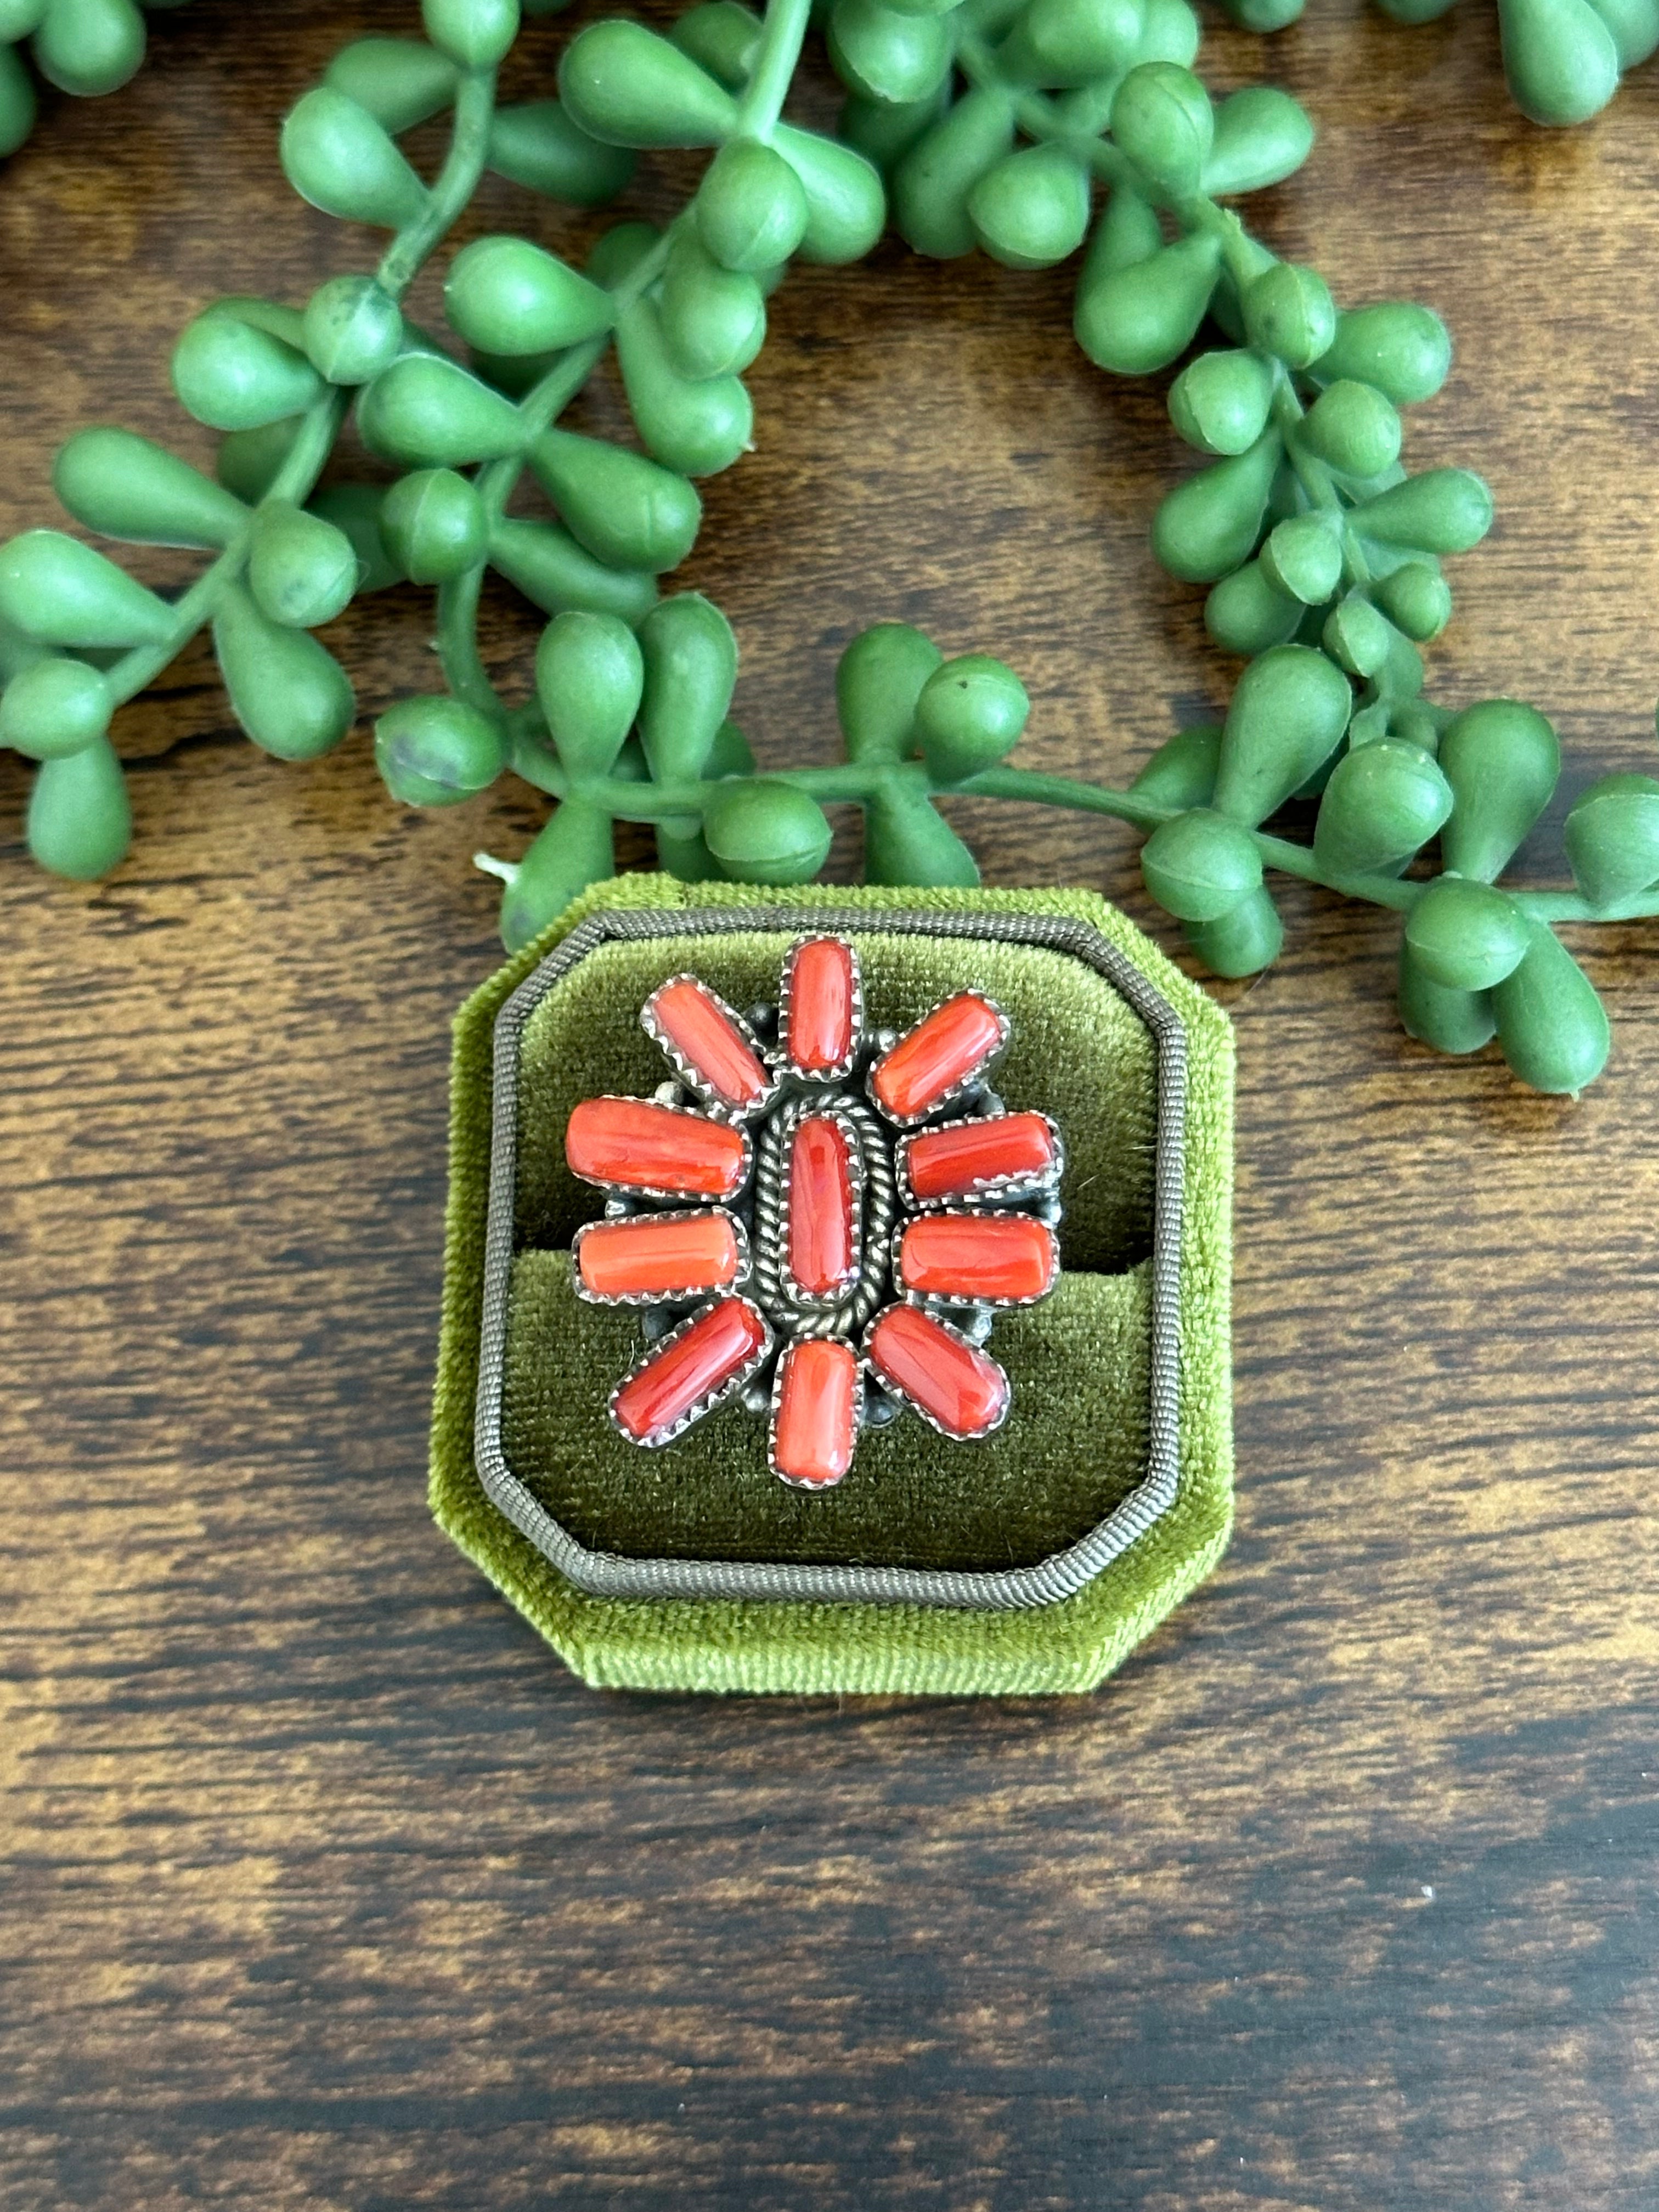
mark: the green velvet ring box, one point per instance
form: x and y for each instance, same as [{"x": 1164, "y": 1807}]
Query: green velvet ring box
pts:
[{"x": 1030, "y": 1561}]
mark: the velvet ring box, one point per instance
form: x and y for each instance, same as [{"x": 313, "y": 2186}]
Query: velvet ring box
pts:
[{"x": 1031, "y": 1560}]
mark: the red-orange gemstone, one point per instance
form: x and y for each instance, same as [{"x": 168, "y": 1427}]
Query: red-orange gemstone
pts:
[
  {"x": 969, "y": 1156},
  {"x": 657, "y": 1254},
  {"x": 688, "y": 1016},
  {"x": 821, "y": 1255},
  {"x": 956, "y": 1041},
  {"x": 822, "y": 989},
  {"x": 719, "y": 1345},
  {"x": 1008, "y": 1258},
  {"x": 637, "y": 1144},
  {"x": 962, "y": 1389},
  {"x": 815, "y": 1424}
]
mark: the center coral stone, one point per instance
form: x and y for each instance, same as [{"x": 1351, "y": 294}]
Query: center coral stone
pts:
[{"x": 822, "y": 1254}]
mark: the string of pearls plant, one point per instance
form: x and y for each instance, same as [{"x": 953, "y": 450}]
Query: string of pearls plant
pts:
[{"x": 1024, "y": 127}]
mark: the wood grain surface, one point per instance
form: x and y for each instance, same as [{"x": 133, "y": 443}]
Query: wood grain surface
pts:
[{"x": 324, "y": 1884}]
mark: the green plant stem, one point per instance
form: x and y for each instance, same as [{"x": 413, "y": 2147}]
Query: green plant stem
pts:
[
  {"x": 783, "y": 37},
  {"x": 296, "y": 479}
]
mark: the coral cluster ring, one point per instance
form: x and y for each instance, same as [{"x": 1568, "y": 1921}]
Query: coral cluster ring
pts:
[{"x": 816, "y": 1219}]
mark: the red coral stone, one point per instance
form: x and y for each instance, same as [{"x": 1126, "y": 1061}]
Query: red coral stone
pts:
[
  {"x": 636, "y": 1144},
  {"x": 719, "y": 1345},
  {"x": 657, "y": 1254},
  {"x": 820, "y": 1253},
  {"x": 815, "y": 1424},
  {"x": 1007, "y": 1258},
  {"x": 956, "y": 1041},
  {"x": 688, "y": 1016},
  {"x": 970, "y": 1156},
  {"x": 962, "y": 1389},
  {"x": 822, "y": 989}
]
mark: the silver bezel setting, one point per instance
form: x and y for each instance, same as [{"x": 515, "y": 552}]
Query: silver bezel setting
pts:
[
  {"x": 898, "y": 1392},
  {"x": 663, "y": 1297},
  {"x": 861, "y": 1370},
  {"x": 977, "y": 1300},
  {"x": 986, "y": 1190},
  {"x": 674, "y": 1197},
  {"x": 712, "y": 1398},
  {"x": 716, "y": 1104},
  {"x": 1062, "y": 1573},
  {"x": 843, "y": 1068},
  {"x": 959, "y": 1092}
]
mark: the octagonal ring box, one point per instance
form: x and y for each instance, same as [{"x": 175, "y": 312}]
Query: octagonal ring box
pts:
[{"x": 1031, "y": 1561}]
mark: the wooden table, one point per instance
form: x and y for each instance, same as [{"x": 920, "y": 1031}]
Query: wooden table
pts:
[{"x": 324, "y": 1885}]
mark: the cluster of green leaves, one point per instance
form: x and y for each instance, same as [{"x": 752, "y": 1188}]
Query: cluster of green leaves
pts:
[
  {"x": 1023, "y": 127},
  {"x": 83, "y": 46},
  {"x": 1563, "y": 58}
]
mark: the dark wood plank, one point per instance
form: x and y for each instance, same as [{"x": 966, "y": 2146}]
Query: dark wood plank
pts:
[{"x": 324, "y": 1884}]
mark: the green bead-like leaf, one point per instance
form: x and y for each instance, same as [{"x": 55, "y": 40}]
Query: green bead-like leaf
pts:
[
  {"x": 1163, "y": 120},
  {"x": 1244, "y": 942},
  {"x": 302, "y": 570},
  {"x": 475, "y": 34},
  {"x": 908, "y": 840},
  {"x": 626, "y": 87},
  {"x": 1289, "y": 312},
  {"x": 126, "y": 486},
  {"x": 1246, "y": 612},
  {"x": 969, "y": 715},
  {"x": 54, "y": 708},
  {"x": 400, "y": 82},
  {"x": 88, "y": 48},
  {"x": 437, "y": 751},
  {"x": 628, "y": 511},
  {"x": 1442, "y": 511},
  {"x": 1502, "y": 759},
  {"x": 1212, "y": 523},
  {"x": 1261, "y": 136},
  {"x": 1611, "y": 837},
  {"x": 1450, "y": 1021},
  {"x": 1383, "y": 803},
  {"x": 713, "y": 318},
  {"x": 1137, "y": 318},
  {"x": 887, "y": 55},
  {"x": 80, "y": 823},
  {"x": 574, "y": 850},
  {"x": 767, "y": 831},
  {"x": 1353, "y": 428},
  {"x": 1201, "y": 865},
  {"x": 287, "y": 691},
  {"x": 336, "y": 156},
  {"x": 1220, "y": 402},
  {"x": 1287, "y": 717},
  {"x": 1182, "y": 771},
  {"x": 541, "y": 148},
  {"x": 233, "y": 375},
  {"x": 846, "y": 201},
  {"x": 507, "y": 296},
  {"x": 590, "y": 677},
  {"x": 932, "y": 183},
  {"x": 1551, "y": 1026},
  {"x": 550, "y": 568},
  {"x": 353, "y": 329},
  {"x": 435, "y": 524},
  {"x": 58, "y": 592},
  {"x": 1032, "y": 208},
  {"x": 427, "y": 412},
  {"x": 690, "y": 660},
  {"x": 1402, "y": 349},
  {"x": 879, "y": 680},
  {"x": 697, "y": 427},
  {"x": 1465, "y": 935},
  {"x": 1561, "y": 62}
]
